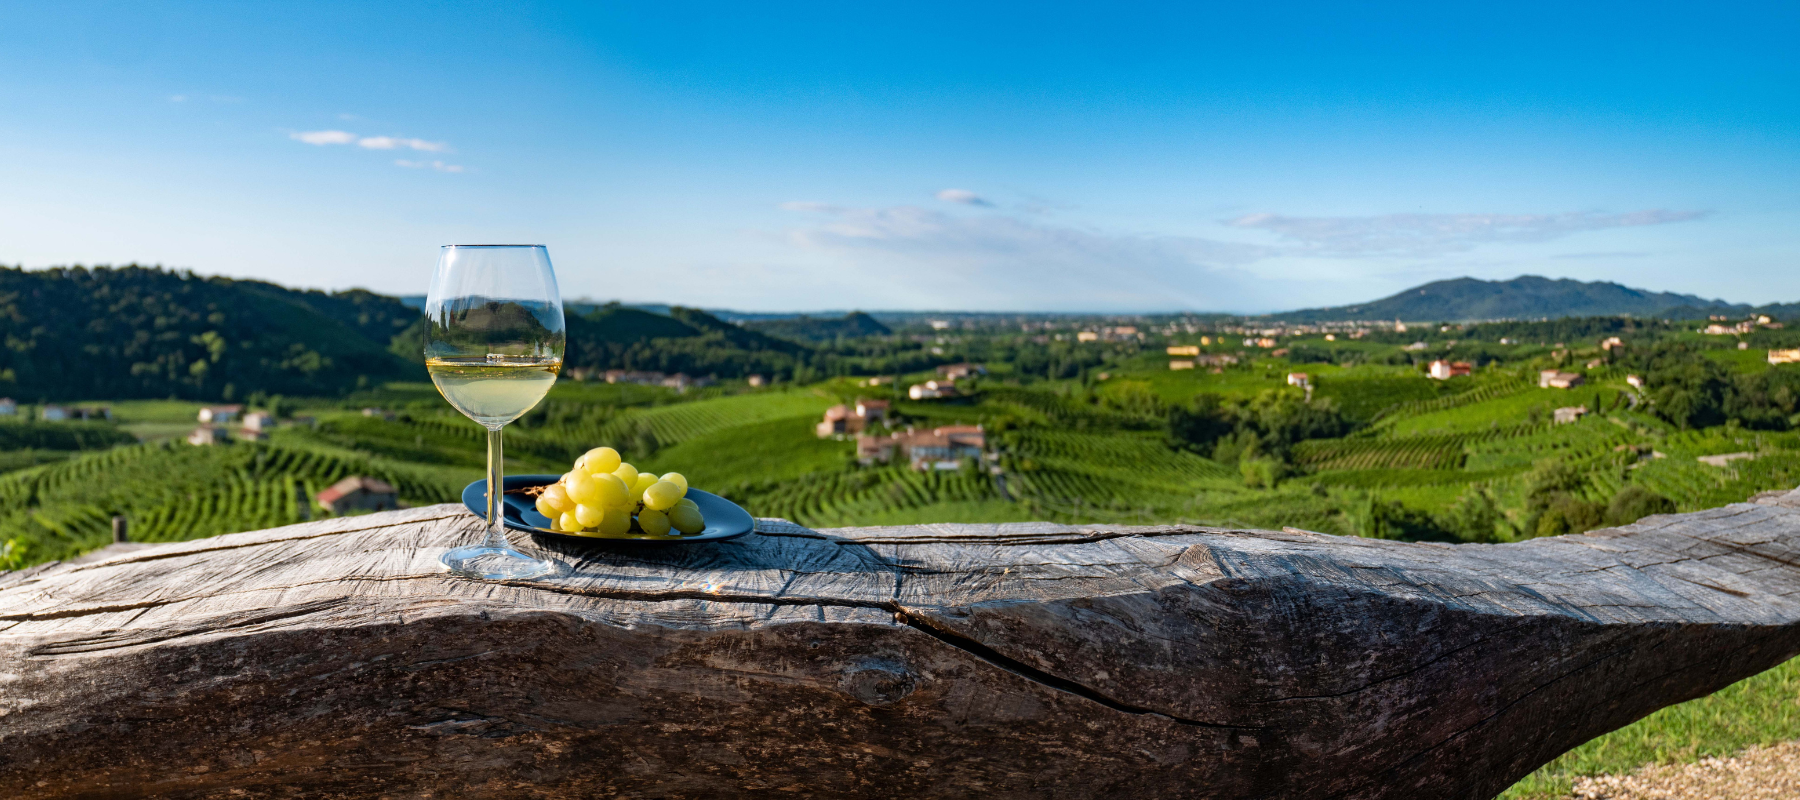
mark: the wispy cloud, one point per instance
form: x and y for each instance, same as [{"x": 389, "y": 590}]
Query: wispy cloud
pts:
[
  {"x": 394, "y": 143},
  {"x": 1417, "y": 235},
  {"x": 369, "y": 142},
  {"x": 323, "y": 137},
  {"x": 963, "y": 196},
  {"x": 997, "y": 261},
  {"x": 436, "y": 165}
]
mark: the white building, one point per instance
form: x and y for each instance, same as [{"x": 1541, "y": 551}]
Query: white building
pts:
[{"x": 219, "y": 415}]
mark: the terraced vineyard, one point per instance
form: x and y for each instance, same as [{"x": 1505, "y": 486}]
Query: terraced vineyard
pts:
[{"x": 175, "y": 492}]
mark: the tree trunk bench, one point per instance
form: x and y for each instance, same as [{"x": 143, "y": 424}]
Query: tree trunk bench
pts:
[{"x": 336, "y": 659}]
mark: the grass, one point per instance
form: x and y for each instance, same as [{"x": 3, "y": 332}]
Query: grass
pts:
[
  {"x": 779, "y": 449},
  {"x": 1760, "y": 710}
]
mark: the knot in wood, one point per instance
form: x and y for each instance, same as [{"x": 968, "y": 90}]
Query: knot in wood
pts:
[{"x": 878, "y": 682}]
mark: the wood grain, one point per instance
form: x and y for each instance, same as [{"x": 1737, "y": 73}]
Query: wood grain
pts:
[{"x": 336, "y": 659}]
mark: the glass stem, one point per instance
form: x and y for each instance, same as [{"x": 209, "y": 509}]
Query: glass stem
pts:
[{"x": 496, "y": 481}]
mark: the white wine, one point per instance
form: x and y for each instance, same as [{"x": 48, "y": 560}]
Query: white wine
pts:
[{"x": 491, "y": 390}]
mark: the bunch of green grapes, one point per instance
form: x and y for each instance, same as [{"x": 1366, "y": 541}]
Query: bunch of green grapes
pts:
[{"x": 604, "y": 495}]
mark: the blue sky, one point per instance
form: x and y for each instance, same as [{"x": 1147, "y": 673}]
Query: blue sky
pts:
[{"x": 1235, "y": 157}]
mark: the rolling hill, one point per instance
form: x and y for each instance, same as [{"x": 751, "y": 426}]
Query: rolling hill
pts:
[{"x": 1524, "y": 297}]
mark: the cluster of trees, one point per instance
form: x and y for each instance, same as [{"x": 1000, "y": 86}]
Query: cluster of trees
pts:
[
  {"x": 135, "y": 332},
  {"x": 1554, "y": 505},
  {"x": 1693, "y": 391},
  {"x": 1257, "y": 433}
]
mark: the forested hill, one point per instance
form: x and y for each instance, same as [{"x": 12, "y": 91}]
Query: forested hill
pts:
[
  {"x": 136, "y": 332},
  {"x": 854, "y": 325},
  {"x": 1524, "y": 297},
  {"x": 688, "y": 340}
]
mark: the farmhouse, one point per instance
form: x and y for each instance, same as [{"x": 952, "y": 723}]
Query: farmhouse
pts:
[
  {"x": 1570, "y": 414},
  {"x": 207, "y": 435},
  {"x": 954, "y": 371},
  {"x": 843, "y": 420},
  {"x": 1298, "y": 379},
  {"x": 1637, "y": 382},
  {"x": 357, "y": 493},
  {"x": 1445, "y": 370},
  {"x": 1611, "y": 343},
  {"x": 1784, "y": 356},
  {"x": 219, "y": 415},
  {"x": 930, "y": 390},
  {"x": 1181, "y": 364},
  {"x": 61, "y": 413},
  {"x": 938, "y": 448},
  {"x": 1557, "y": 379},
  {"x": 1184, "y": 349}
]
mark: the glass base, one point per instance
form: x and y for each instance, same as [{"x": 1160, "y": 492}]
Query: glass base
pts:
[{"x": 497, "y": 564}]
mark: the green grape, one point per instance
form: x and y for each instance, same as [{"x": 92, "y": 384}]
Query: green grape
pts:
[
  {"x": 653, "y": 522},
  {"x": 662, "y": 495},
  {"x": 544, "y": 507},
  {"x": 644, "y": 481},
  {"x": 600, "y": 460},
  {"x": 616, "y": 521},
  {"x": 582, "y": 488},
  {"x": 610, "y": 491},
  {"x": 687, "y": 519},
  {"x": 558, "y": 497},
  {"x": 678, "y": 479},
  {"x": 588, "y": 516},
  {"x": 627, "y": 473},
  {"x": 568, "y": 523}
]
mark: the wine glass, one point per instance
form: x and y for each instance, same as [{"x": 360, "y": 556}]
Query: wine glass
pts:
[{"x": 493, "y": 345}]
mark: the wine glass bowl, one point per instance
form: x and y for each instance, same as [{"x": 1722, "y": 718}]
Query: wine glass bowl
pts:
[{"x": 494, "y": 344}]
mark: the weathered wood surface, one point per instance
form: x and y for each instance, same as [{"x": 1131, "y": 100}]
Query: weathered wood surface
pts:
[{"x": 336, "y": 659}]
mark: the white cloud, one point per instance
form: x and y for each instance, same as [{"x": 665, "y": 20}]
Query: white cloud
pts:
[
  {"x": 1424, "y": 235},
  {"x": 324, "y": 137},
  {"x": 963, "y": 196},
  {"x": 393, "y": 143},
  {"x": 180, "y": 98},
  {"x": 437, "y": 165}
]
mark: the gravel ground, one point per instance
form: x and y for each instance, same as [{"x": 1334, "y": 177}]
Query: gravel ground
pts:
[{"x": 1759, "y": 773}]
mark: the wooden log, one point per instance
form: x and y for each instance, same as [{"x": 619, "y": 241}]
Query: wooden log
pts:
[{"x": 336, "y": 659}]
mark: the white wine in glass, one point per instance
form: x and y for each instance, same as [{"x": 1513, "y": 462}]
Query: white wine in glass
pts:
[{"x": 493, "y": 345}]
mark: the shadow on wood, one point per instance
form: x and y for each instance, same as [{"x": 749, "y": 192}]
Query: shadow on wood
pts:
[{"x": 335, "y": 659}]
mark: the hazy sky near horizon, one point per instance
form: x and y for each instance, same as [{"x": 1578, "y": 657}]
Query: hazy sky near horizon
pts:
[{"x": 793, "y": 156}]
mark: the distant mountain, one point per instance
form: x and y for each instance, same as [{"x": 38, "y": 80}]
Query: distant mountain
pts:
[
  {"x": 1524, "y": 297},
  {"x": 813, "y": 329}
]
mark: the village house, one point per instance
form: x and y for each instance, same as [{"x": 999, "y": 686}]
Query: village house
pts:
[
  {"x": 357, "y": 493},
  {"x": 207, "y": 435},
  {"x": 1596, "y": 364},
  {"x": 1557, "y": 379},
  {"x": 1181, "y": 365},
  {"x": 844, "y": 420},
  {"x": 754, "y": 381},
  {"x": 1564, "y": 416},
  {"x": 938, "y": 448},
  {"x": 1445, "y": 370},
  {"x": 379, "y": 413},
  {"x": 931, "y": 390},
  {"x": 1299, "y": 379},
  {"x": 680, "y": 382},
  {"x": 1784, "y": 356},
  {"x": 1216, "y": 360},
  {"x": 1184, "y": 349},
  {"x": 1206, "y": 341},
  {"x": 259, "y": 421},
  {"x": 1416, "y": 346},
  {"x": 1635, "y": 381},
  {"x": 219, "y": 415},
  {"x": 632, "y": 376},
  {"x": 1087, "y": 336},
  {"x": 956, "y": 371},
  {"x": 1611, "y": 343}
]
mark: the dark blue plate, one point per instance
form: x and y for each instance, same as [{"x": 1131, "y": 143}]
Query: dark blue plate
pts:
[{"x": 724, "y": 519}]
